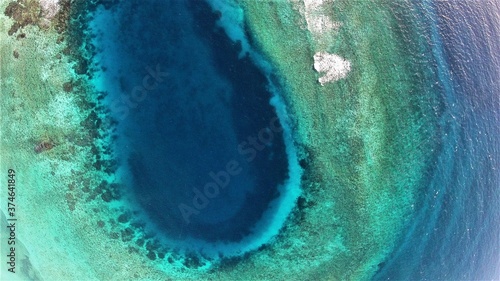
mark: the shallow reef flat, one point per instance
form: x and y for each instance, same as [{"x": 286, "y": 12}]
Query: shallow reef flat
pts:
[
  {"x": 44, "y": 100},
  {"x": 369, "y": 137},
  {"x": 35, "y": 108}
]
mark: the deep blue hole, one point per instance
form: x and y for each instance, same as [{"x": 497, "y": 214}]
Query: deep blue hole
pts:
[{"x": 206, "y": 150}]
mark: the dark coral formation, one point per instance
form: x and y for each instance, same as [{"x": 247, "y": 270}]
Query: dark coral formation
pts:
[
  {"x": 23, "y": 12},
  {"x": 68, "y": 87},
  {"x": 29, "y": 12},
  {"x": 61, "y": 20}
]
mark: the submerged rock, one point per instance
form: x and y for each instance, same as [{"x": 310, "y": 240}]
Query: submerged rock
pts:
[{"x": 334, "y": 66}]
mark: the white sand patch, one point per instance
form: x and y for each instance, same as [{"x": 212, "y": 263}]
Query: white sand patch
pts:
[
  {"x": 49, "y": 8},
  {"x": 318, "y": 23},
  {"x": 334, "y": 66},
  {"x": 45, "y": 71},
  {"x": 321, "y": 24},
  {"x": 63, "y": 111}
]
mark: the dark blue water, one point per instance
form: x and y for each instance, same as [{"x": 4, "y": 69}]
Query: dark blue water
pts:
[
  {"x": 455, "y": 235},
  {"x": 203, "y": 146}
]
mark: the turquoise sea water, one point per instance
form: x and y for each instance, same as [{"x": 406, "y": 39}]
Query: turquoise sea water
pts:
[
  {"x": 202, "y": 149},
  {"x": 207, "y": 159},
  {"x": 197, "y": 119},
  {"x": 234, "y": 163}
]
